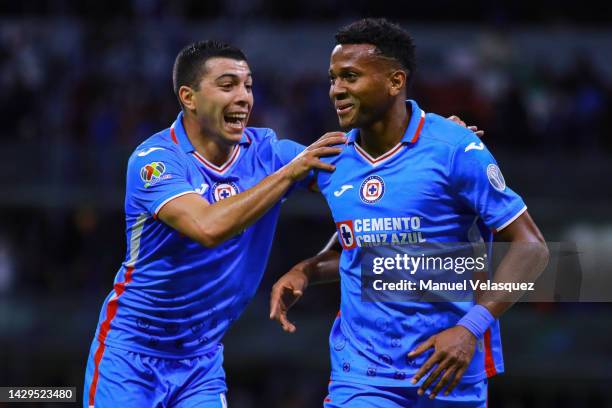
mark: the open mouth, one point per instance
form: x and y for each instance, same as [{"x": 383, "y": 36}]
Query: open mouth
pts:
[
  {"x": 344, "y": 108},
  {"x": 235, "y": 120}
]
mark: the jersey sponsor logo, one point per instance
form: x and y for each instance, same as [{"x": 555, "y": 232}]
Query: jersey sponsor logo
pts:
[
  {"x": 346, "y": 235},
  {"x": 224, "y": 190},
  {"x": 144, "y": 152},
  {"x": 474, "y": 146},
  {"x": 495, "y": 177},
  {"x": 369, "y": 232},
  {"x": 343, "y": 189},
  {"x": 202, "y": 189},
  {"x": 372, "y": 189},
  {"x": 153, "y": 173}
]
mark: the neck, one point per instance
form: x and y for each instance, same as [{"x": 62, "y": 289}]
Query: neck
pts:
[
  {"x": 381, "y": 136},
  {"x": 213, "y": 149}
]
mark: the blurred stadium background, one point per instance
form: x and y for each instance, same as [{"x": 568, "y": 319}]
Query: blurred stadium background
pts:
[{"x": 82, "y": 83}]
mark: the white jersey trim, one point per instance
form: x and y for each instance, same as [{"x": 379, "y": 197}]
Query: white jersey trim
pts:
[
  {"x": 380, "y": 159},
  {"x": 511, "y": 220},
  {"x": 167, "y": 200}
]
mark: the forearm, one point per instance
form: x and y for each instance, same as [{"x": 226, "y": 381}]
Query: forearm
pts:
[
  {"x": 325, "y": 266},
  {"x": 524, "y": 262},
  {"x": 227, "y": 218}
]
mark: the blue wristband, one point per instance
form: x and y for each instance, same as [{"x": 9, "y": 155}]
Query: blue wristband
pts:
[{"x": 477, "y": 320}]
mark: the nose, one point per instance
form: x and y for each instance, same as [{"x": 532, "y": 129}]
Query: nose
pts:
[
  {"x": 243, "y": 96},
  {"x": 337, "y": 91}
]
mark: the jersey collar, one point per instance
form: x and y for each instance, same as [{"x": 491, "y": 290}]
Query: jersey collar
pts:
[
  {"x": 413, "y": 131},
  {"x": 179, "y": 135}
]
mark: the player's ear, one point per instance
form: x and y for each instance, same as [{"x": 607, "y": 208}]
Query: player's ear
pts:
[
  {"x": 397, "y": 80},
  {"x": 187, "y": 97}
]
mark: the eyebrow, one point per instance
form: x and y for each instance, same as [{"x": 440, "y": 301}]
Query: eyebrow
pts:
[
  {"x": 232, "y": 75},
  {"x": 345, "y": 68}
]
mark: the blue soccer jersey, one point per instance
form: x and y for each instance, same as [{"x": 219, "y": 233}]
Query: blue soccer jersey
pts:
[
  {"x": 173, "y": 297},
  {"x": 434, "y": 186}
]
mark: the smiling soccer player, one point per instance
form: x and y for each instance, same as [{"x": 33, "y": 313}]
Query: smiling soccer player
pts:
[
  {"x": 202, "y": 201},
  {"x": 401, "y": 163}
]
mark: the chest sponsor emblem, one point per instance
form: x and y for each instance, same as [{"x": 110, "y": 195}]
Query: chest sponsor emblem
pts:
[
  {"x": 346, "y": 234},
  {"x": 372, "y": 189},
  {"x": 224, "y": 190}
]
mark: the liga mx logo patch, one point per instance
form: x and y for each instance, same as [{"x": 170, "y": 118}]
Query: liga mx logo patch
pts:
[
  {"x": 372, "y": 189},
  {"x": 224, "y": 190},
  {"x": 346, "y": 234},
  {"x": 152, "y": 173}
]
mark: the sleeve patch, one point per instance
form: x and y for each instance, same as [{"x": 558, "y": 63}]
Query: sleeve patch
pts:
[
  {"x": 153, "y": 173},
  {"x": 496, "y": 177}
]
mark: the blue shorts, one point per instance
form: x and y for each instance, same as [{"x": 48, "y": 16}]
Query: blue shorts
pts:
[
  {"x": 344, "y": 394},
  {"x": 126, "y": 379}
]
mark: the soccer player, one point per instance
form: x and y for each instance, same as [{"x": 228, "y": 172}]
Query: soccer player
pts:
[
  {"x": 434, "y": 180},
  {"x": 202, "y": 202}
]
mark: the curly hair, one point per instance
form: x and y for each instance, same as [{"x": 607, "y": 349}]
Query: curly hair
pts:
[{"x": 390, "y": 40}]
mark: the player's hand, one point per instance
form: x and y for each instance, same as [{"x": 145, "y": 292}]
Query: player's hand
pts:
[
  {"x": 454, "y": 349},
  {"x": 310, "y": 157},
  {"x": 285, "y": 293},
  {"x": 457, "y": 120}
]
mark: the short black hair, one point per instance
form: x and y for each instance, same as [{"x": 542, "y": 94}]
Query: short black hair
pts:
[
  {"x": 189, "y": 63},
  {"x": 391, "y": 40}
]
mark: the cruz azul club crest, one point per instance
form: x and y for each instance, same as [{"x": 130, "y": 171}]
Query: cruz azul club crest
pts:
[
  {"x": 372, "y": 189},
  {"x": 223, "y": 190}
]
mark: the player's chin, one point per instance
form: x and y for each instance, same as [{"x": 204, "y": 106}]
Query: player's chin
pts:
[
  {"x": 233, "y": 133},
  {"x": 346, "y": 121}
]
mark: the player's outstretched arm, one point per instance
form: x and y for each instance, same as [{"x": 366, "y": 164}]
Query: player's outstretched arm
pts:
[
  {"x": 324, "y": 267},
  {"x": 454, "y": 348},
  {"x": 212, "y": 224}
]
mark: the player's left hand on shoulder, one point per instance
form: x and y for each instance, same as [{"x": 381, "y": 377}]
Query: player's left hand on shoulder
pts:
[
  {"x": 457, "y": 120},
  {"x": 453, "y": 352}
]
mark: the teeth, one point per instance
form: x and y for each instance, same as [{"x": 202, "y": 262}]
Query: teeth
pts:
[{"x": 239, "y": 116}]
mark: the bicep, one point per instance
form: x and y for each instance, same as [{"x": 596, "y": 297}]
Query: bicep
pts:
[
  {"x": 523, "y": 229},
  {"x": 182, "y": 214}
]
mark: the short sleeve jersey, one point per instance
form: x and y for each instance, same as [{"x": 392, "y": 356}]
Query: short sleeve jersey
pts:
[
  {"x": 434, "y": 186},
  {"x": 172, "y": 296}
]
